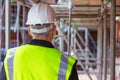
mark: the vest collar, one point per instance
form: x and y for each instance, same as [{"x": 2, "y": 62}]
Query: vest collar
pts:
[{"x": 41, "y": 43}]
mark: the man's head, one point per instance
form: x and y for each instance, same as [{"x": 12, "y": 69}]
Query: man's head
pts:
[{"x": 41, "y": 19}]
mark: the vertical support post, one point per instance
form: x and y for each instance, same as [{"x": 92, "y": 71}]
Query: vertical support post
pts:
[
  {"x": 61, "y": 47},
  {"x": 72, "y": 37},
  {"x": 100, "y": 45},
  {"x": 0, "y": 29},
  {"x": 23, "y": 25},
  {"x": 7, "y": 24},
  {"x": 69, "y": 29},
  {"x": 105, "y": 45},
  {"x": 74, "y": 45},
  {"x": 100, "y": 49},
  {"x": 86, "y": 47},
  {"x": 17, "y": 25},
  {"x": 112, "y": 39}
]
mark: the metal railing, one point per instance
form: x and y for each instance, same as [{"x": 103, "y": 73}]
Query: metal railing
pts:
[{"x": 80, "y": 53}]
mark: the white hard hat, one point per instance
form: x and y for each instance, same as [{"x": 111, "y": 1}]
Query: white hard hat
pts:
[{"x": 40, "y": 14}]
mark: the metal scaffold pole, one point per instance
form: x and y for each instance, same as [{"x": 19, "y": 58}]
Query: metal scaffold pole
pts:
[
  {"x": 100, "y": 44},
  {"x": 105, "y": 44},
  {"x": 0, "y": 29},
  {"x": 112, "y": 39},
  {"x": 17, "y": 26},
  {"x": 69, "y": 29},
  {"x": 7, "y": 24},
  {"x": 23, "y": 24},
  {"x": 100, "y": 49},
  {"x": 61, "y": 47}
]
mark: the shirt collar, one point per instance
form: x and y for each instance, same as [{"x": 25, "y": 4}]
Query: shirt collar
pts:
[{"x": 41, "y": 43}]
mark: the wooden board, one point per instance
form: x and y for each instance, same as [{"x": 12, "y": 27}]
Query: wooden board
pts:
[{"x": 91, "y": 2}]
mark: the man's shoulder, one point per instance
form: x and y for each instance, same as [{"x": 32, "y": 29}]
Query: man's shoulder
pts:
[{"x": 15, "y": 48}]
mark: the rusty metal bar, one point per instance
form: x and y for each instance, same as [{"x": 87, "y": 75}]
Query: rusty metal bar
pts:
[{"x": 112, "y": 39}]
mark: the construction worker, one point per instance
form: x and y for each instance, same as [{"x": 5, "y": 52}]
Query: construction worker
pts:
[{"x": 39, "y": 60}]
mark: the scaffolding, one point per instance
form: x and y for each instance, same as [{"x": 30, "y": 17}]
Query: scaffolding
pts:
[{"x": 71, "y": 39}]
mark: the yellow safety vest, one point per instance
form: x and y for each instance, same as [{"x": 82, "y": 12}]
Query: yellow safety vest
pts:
[{"x": 30, "y": 62}]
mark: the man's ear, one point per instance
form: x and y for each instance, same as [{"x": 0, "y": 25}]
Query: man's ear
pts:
[{"x": 29, "y": 32}]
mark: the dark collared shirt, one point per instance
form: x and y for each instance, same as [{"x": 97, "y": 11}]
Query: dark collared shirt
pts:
[{"x": 73, "y": 75}]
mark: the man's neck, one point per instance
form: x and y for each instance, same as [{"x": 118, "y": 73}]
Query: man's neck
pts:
[{"x": 42, "y": 38}]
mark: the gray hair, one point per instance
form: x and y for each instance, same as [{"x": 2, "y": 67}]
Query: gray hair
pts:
[{"x": 43, "y": 29}]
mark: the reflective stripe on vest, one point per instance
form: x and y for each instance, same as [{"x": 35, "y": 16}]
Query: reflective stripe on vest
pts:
[
  {"x": 63, "y": 67},
  {"x": 10, "y": 63}
]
